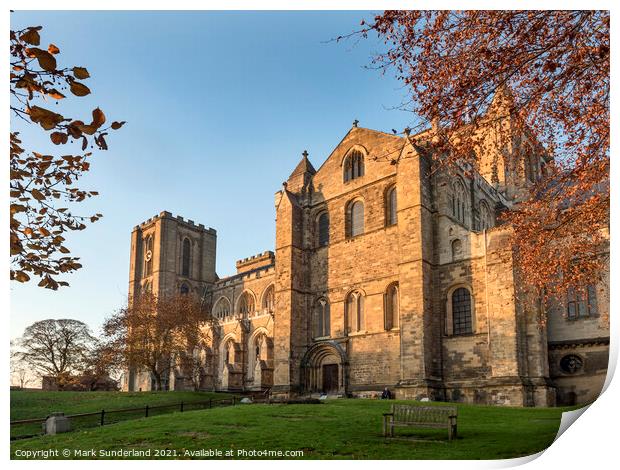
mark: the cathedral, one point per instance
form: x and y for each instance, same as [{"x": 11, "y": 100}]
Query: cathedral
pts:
[{"x": 383, "y": 274}]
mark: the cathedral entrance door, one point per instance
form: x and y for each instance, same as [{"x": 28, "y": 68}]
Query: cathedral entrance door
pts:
[{"x": 330, "y": 378}]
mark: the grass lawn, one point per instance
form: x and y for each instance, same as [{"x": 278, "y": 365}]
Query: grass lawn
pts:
[
  {"x": 39, "y": 404},
  {"x": 337, "y": 429}
]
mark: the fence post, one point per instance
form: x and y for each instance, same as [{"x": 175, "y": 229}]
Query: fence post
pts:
[
  {"x": 146, "y": 411},
  {"x": 233, "y": 400},
  {"x": 181, "y": 407},
  {"x": 102, "y": 416},
  {"x": 210, "y": 400}
]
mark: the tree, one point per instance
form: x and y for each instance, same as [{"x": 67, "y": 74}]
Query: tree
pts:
[
  {"x": 57, "y": 348},
  {"x": 102, "y": 370},
  {"x": 21, "y": 375},
  {"x": 42, "y": 184},
  {"x": 154, "y": 333},
  {"x": 542, "y": 77}
]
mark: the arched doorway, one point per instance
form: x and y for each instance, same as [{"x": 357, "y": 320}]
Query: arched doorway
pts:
[{"x": 324, "y": 369}]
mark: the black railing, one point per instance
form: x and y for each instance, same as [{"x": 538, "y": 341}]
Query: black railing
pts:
[{"x": 25, "y": 428}]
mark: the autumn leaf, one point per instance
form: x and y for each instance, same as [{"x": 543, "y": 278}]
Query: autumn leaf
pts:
[
  {"x": 38, "y": 195},
  {"x": 80, "y": 73},
  {"x": 55, "y": 94},
  {"x": 31, "y": 37},
  {"x": 79, "y": 89},
  {"x": 117, "y": 125},
  {"x": 21, "y": 276},
  {"x": 58, "y": 138},
  {"x": 98, "y": 117},
  {"x": 52, "y": 49}
]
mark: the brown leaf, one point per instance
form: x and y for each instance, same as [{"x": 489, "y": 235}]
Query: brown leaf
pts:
[
  {"x": 21, "y": 276},
  {"x": 38, "y": 195},
  {"x": 55, "y": 94},
  {"x": 45, "y": 232},
  {"x": 59, "y": 138},
  {"x": 117, "y": 125},
  {"x": 98, "y": 118},
  {"x": 52, "y": 49},
  {"x": 79, "y": 89},
  {"x": 80, "y": 72},
  {"x": 31, "y": 37},
  {"x": 47, "y": 61}
]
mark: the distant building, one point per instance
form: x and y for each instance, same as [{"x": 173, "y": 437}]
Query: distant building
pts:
[{"x": 384, "y": 275}]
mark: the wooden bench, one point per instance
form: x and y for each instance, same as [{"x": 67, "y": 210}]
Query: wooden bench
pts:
[{"x": 421, "y": 417}]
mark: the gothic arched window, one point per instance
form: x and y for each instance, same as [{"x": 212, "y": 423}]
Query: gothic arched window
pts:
[
  {"x": 461, "y": 312},
  {"x": 323, "y": 229},
  {"x": 185, "y": 259},
  {"x": 355, "y": 219},
  {"x": 390, "y": 207},
  {"x": 321, "y": 318},
  {"x": 391, "y": 306},
  {"x": 353, "y": 165},
  {"x": 354, "y": 312},
  {"x": 246, "y": 304},
  {"x": 269, "y": 299},
  {"x": 457, "y": 249},
  {"x": 222, "y": 308},
  {"x": 148, "y": 256},
  {"x": 485, "y": 217},
  {"x": 458, "y": 201}
]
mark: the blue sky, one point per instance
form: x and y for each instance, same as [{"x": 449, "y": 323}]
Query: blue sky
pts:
[{"x": 219, "y": 107}]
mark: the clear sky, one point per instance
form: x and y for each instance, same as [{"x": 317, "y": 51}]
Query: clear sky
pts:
[{"x": 219, "y": 107}]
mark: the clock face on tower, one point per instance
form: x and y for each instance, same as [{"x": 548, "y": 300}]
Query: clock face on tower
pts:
[{"x": 149, "y": 255}]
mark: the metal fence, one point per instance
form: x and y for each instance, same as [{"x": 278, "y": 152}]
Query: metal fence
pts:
[{"x": 25, "y": 428}]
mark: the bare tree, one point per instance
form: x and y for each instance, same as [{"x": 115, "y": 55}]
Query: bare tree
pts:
[{"x": 57, "y": 348}]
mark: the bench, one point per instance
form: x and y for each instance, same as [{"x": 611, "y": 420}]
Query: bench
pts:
[{"x": 422, "y": 417}]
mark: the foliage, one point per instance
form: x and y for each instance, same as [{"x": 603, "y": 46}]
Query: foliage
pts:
[
  {"x": 42, "y": 184},
  {"x": 57, "y": 348},
  {"x": 337, "y": 429},
  {"x": 156, "y": 332},
  {"x": 513, "y": 84}
]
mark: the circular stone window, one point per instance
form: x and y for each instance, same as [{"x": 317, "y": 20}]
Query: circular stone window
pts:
[{"x": 571, "y": 364}]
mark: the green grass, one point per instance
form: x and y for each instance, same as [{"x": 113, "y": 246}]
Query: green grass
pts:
[
  {"x": 39, "y": 404},
  {"x": 337, "y": 429}
]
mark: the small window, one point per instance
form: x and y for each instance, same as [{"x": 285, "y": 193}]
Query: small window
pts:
[
  {"x": 354, "y": 312},
  {"x": 571, "y": 364},
  {"x": 269, "y": 299},
  {"x": 185, "y": 264},
  {"x": 390, "y": 207},
  {"x": 484, "y": 216},
  {"x": 353, "y": 165},
  {"x": 457, "y": 249},
  {"x": 391, "y": 307},
  {"x": 355, "y": 216},
  {"x": 323, "y": 229},
  {"x": 321, "y": 318},
  {"x": 582, "y": 304},
  {"x": 148, "y": 255},
  {"x": 461, "y": 312}
]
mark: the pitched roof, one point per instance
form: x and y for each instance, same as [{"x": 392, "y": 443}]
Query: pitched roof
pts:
[{"x": 304, "y": 166}]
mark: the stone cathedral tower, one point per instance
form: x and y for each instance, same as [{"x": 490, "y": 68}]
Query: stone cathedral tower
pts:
[
  {"x": 172, "y": 254},
  {"x": 169, "y": 254}
]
